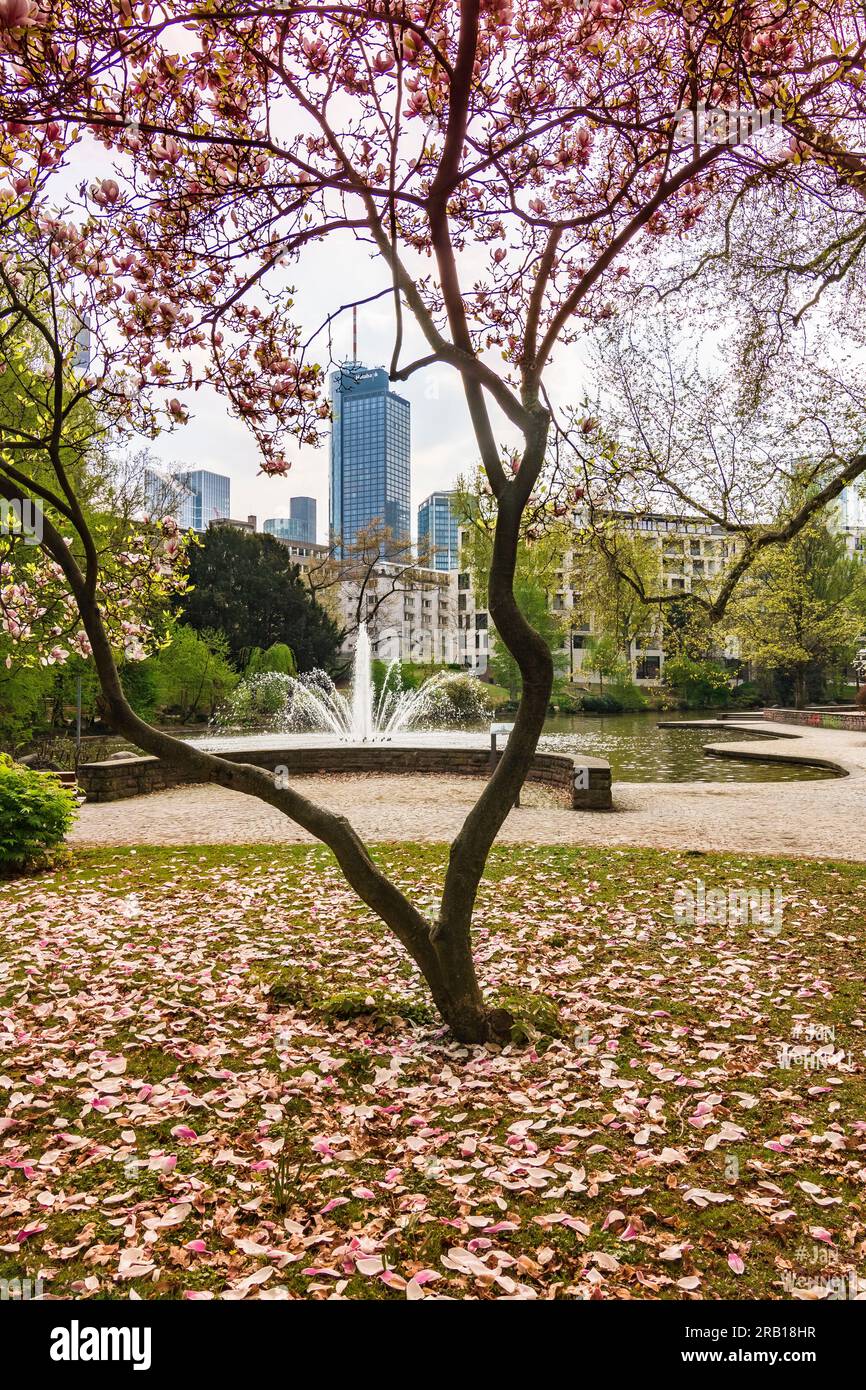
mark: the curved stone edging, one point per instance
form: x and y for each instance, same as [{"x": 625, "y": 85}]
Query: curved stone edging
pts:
[
  {"x": 586, "y": 779},
  {"x": 746, "y": 753},
  {"x": 720, "y": 724},
  {"x": 738, "y": 750}
]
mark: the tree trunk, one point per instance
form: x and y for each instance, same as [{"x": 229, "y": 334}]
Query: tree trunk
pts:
[
  {"x": 470, "y": 849},
  {"x": 799, "y": 688},
  {"x": 449, "y": 970}
]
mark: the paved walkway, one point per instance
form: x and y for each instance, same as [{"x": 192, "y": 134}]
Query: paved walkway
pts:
[{"x": 820, "y": 819}]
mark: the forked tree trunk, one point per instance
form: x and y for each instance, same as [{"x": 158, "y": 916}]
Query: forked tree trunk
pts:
[
  {"x": 470, "y": 850},
  {"x": 449, "y": 970}
]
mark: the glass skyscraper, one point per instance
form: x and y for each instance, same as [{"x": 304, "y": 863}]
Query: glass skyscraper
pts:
[
  {"x": 299, "y": 525},
  {"x": 369, "y": 455},
  {"x": 437, "y": 531},
  {"x": 165, "y": 495},
  {"x": 211, "y": 496}
]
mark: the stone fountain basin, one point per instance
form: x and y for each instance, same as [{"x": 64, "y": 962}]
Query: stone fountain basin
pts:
[{"x": 586, "y": 779}]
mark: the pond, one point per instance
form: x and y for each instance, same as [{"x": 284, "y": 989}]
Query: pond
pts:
[{"x": 639, "y": 751}]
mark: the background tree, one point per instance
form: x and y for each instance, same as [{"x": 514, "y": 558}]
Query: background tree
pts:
[
  {"x": 699, "y": 681},
  {"x": 278, "y": 658},
  {"x": 744, "y": 405},
  {"x": 801, "y": 614},
  {"x": 603, "y": 598},
  {"x": 24, "y": 695},
  {"x": 354, "y": 581},
  {"x": 55, "y": 467},
  {"x": 192, "y": 673},
  {"x": 247, "y": 588},
  {"x": 604, "y": 657}
]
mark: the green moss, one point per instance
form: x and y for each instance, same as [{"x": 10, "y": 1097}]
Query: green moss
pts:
[
  {"x": 151, "y": 1064},
  {"x": 297, "y": 988},
  {"x": 382, "y": 1008},
  {"x": 292, "y": 987},
  {"x": 535, "y": 1015}
]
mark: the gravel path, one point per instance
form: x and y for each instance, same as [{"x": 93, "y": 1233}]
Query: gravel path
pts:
[{"x": 820, "y": 819}]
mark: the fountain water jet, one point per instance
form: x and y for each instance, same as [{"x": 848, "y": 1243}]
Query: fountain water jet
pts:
[{"x": 362, "y": 688}]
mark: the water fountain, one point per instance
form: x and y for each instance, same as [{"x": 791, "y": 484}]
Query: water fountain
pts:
[
  {"x": 312, "y": 704},
  {"x": 303, "y": 725}
]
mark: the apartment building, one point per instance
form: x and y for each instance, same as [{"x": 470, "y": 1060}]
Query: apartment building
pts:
[
  {"x": 473, "y": 625},
  {"x": 847, "y": 517},
  {"x": 410, "y": 613},
  {"x": 692, "y": 552}
]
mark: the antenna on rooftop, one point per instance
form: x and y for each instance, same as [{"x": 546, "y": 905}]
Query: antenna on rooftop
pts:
[{"x": 354, "y": 332}]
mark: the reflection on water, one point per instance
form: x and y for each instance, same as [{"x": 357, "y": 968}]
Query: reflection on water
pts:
[{"x": 639, "y": 751}]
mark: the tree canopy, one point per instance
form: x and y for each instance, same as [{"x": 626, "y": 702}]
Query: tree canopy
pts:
[
  {"x": 247, "y": 588},
  {"x": 802, "y": 612}
]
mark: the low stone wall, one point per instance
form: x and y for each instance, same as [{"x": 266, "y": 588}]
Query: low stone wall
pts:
[
  {"x": 587, "y": 780},
  {"x": 817, "y": 719}
]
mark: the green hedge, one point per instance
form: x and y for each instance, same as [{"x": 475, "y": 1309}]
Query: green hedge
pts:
[{"x": 35, "y": 813}]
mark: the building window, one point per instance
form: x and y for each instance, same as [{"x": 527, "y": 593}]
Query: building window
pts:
[{"x": 648, "y": 668}]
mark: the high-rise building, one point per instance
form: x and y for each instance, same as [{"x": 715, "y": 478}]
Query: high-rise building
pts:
[
  {"x": 211, "y": 494},
  {"x": 369, "y": 456},
  {"x": 437, "y": 532},
  {"x": 304, "y": 510},
  {"x": 299, "y": 525},
  {"x": 164, "y": 495},
  {"x": 81, "y": 360}
]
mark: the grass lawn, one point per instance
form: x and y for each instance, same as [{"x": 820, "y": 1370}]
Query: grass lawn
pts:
[{"x": 219, "y": 1076}]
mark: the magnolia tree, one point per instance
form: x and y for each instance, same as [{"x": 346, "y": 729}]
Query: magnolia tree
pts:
[
  {"x": 512, "y": 169},
  {"x": 62, "y": 508}
]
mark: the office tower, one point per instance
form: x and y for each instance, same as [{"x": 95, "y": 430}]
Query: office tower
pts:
[
  {"x": 299, "y": 525},
  {"x": 212, "y": 495},
  {"x": 303, "y": 510},
  {"x": 81, "y": 359},
  {"x": 369, "y": 456},
  {"x": 164, "y": 495},
  {"x": 437, "y": 531}
]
